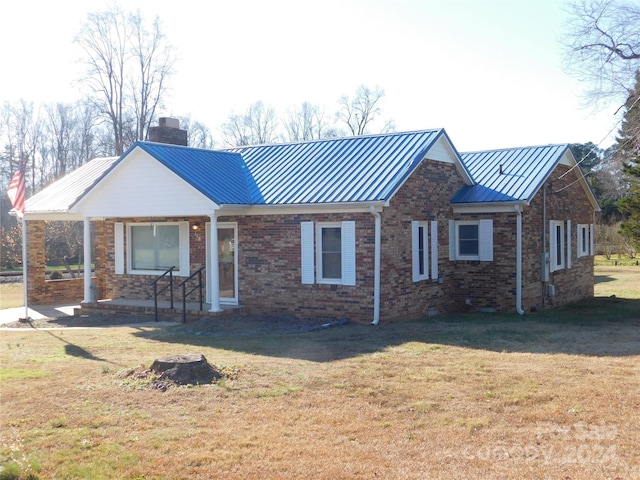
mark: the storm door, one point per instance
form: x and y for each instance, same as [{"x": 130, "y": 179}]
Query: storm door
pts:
[{"x": 227, "y": 262}]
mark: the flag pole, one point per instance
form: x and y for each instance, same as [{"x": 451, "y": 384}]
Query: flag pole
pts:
[{"x": 24, "y": 267}]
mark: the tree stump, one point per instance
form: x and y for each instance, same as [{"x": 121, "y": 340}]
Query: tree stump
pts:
[{"x": 185, "y": 369}]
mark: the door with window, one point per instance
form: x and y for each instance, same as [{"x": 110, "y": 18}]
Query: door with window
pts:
[{"x": 227, "y": 262}]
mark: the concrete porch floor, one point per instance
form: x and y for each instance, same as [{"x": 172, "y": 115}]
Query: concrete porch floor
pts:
[{"x": 146, "y": 307}]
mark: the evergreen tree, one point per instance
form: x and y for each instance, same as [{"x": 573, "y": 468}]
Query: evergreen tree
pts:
[{"x": 628, "y": 148}]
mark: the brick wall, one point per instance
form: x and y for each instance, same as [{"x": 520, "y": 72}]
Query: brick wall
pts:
[
  {"x": 269, "y": 253},
  {"x": 565, "y": 200},
  {"x": 140, "y": 286},
  {"x": 41, "y": 291},
  {"x": 489, "y": 285},
  {"x": 425, "y": 196},
  {"x": 492, "y": 285}
]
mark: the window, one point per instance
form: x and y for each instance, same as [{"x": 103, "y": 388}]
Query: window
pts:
[
  {"x": 329, "y": 252},
  {"x": 335, "y": 253},
  {"x": 471, "y": 240},
  {"x": 420, "y": 250},
  {"x": 557, "y": 246},
  {"x": 585, "y": 240},
  {"x": 153, "y": 248},
  {"x": 468, "y": 240}
]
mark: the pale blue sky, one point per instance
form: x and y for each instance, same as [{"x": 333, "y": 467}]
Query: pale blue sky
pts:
[{"x": 489, "y": 72}]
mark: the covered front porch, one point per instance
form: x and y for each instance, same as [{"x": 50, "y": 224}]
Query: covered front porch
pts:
[{"x": 209, "y": 290}]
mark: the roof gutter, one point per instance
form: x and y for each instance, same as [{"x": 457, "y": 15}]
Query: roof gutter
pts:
[
  {"x": 488, "y": 207},
  {"x": 376, "y": 266},
  {"x": 227, "y": 209}
]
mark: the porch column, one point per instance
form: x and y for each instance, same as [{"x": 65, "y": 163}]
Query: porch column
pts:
[
  {"x": 214, "y": 273},
  {"x": 87, "y": 260}
]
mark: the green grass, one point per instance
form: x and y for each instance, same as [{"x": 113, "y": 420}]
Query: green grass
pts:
[
  {"x": 20, "y": 374},
  {"x": 615, "y": 261}
]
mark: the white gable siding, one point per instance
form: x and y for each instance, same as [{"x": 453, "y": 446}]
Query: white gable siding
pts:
[
  {"x": 140, "y": 186},
  {"x": 441, "y": 151}
]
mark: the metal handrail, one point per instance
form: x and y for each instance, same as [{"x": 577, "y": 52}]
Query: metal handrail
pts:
[
  {"x": 183, "y": 284},
  {"x": 156, "y": 292}
]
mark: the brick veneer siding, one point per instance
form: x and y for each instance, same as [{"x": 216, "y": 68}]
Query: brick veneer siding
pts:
[
  {"x": 269, "y": 268},
  {"x": 140, "y": 287},
  {"x": 40, "y": 290},
  {"x": 565, "y": 200},
  {"x": 489, "y": 285},
  {"x": 269, "y": 251},
  {"x": 425, "y": 196},
  {"x": 492, "y": 285}
]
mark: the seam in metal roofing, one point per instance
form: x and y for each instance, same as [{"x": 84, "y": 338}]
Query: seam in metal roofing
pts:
[
  {"x": 352, "y": 169},
  {"x": 508, "y": 175}
]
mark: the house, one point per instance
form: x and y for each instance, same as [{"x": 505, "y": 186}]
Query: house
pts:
[{"x": 371, "y": 228}]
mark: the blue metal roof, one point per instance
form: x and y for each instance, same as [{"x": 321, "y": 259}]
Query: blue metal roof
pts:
[
  {"x": 508, "y": 175},
  {"x": 352, "y": 169},
  {"x": 221, "y": 176}
]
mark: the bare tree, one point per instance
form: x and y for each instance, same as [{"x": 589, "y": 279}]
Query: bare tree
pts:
[
  {"x": 86, "y": 137},
  {"x": 358, "y": 113},
  {"x": 258, "y": 125},
  {"x": 69, "y": 137},
  {"x": 104, "y": 38},
  {"x": 306, "y": 122},
  {"x": 154, "y": 59},
  {"x": 23, "y": 140},
  {"x": 199, "y": 135},
  {"x": 602, "y": 47},
  {"x": 127, "y": 71},
  {"x": 60, "y": 126}
]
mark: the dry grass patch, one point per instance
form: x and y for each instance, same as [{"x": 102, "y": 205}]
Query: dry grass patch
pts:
[
  {"x": 550, "y": 395},
  {"x": 11, "y": 295}
]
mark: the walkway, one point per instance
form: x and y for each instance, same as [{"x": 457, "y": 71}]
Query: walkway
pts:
[
  {"x": 120, "y": 305},
  {"x": 9, "y": 315}
]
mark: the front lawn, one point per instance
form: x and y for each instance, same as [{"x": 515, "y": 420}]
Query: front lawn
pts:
[{"x": 494, "y": 396}]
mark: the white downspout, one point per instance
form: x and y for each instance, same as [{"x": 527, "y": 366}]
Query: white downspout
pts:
[
  {"x": 376, "y": 267},
  {"x": 87, "y": 260},
  {"x": 214, "y": 274},
  {"x": 518, "y": 209}
]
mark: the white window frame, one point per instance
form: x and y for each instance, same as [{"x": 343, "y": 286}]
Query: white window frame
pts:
[
  {"x": 311, "y": 253},
  {"x": 584, "y": 240},
  {"x": 183, "y": 248},
  {"x": 416, "y": 261},
  {"x": 485, "y": 240},
  {"x": 557, "y": 232},
  {"x": 320, "y": 226},
  {"x": 459, "y": 255}
]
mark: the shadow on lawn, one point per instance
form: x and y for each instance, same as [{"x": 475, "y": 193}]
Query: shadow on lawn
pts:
[
  {"x": 597, "y": 327},
  {"x": 74, "y": 350}
]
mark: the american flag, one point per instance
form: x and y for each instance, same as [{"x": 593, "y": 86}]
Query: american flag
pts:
[{"x": 16, "y": 190}]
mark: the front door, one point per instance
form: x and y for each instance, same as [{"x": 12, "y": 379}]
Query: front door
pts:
[{"x": 227, "y": 262}]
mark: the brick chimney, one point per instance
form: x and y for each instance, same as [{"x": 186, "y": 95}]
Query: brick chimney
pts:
[{"x": 168, "y": 131}]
